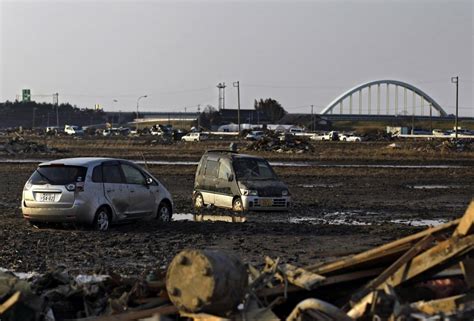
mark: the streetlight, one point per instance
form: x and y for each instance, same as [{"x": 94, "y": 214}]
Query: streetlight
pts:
[
  {"x": 455, "y": 80},
  {"x": 115, "y": 105},
  {"x": 138, "y": 100},
  {"x": 237, "y": 84}
]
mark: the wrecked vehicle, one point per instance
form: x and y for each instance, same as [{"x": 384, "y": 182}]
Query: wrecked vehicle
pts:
[
  {"x": 239, "y": 182},
  {"x": 93, "y": 191}
]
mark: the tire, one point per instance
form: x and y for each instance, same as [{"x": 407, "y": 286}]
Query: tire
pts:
[
  {"x": 344, "y": 139},
  {"x": 102, "y": 219},
  {"x": 198, "y": 201},
  {"x": 164, "y": 212},
  {"x": 237, "y": 205}
]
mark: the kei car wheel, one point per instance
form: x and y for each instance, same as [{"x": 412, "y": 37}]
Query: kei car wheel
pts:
[
  {"x": 237, "y": 205},
  {"x": 102, "y": 219},
  {"x": 198, "y": 201},
  {"x": 164, "y": 212}
]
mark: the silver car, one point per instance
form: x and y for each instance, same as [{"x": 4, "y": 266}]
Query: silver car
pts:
[{"x": 94, "y": 191}]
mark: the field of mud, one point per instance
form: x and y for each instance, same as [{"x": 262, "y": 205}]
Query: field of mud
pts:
[{"x": 338, "y": 208}]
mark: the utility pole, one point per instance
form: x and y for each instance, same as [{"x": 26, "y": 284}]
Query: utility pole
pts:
[
  {"x": 312, "y": 119},
  {"x": 138, "y": 101},
  {"x": 431, "y": 120},
  {"x": 56, "y": 100},
  {"x": 237, "y": 84},
  {"x": 199, "y": 117},
  {"x": 455, "y": 80}
]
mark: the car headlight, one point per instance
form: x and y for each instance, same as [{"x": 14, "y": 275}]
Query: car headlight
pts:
[
  {"x": 284, "y": 192},
  {"x": 249, "y": 192}
]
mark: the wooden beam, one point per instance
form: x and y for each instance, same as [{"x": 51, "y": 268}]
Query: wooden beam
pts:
[
  {"x": 466, "y": 226},
  {"x": 437, "y": 255},
  {"x": 379, "y": 280},
  {"x": 392, "y": 248},
  {"x": 445, "y": 305}
]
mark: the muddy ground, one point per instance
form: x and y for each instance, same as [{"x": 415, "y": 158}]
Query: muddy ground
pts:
[{"x": 336, "y": 211}]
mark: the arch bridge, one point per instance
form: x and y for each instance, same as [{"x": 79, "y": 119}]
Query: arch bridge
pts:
[{"x": 392, "y": 92}]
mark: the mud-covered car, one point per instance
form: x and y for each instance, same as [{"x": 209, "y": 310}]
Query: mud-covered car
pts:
[
  {"x": 239, "y": 182},
  {"x": 93, "y": 191}
]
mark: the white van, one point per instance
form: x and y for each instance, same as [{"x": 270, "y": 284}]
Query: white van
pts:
[
  {"x": 73, "y": 130},
  {"x": 194, "y": 137}
]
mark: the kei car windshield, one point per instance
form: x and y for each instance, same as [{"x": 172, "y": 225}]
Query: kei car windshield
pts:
[
  {"x": 252, "y": 169},
  {"x": 58, "y": 175}
]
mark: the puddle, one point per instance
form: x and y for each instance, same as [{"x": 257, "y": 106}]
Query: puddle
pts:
[
  {"x": 209, "y": 218},
  {"x": 314, "y": 220},
  {"x": 336, "y": 218},
  {"x": 433, "y": 186},
  {"x": 434, "y": 222},
  {"x": 318, "y": 185}
]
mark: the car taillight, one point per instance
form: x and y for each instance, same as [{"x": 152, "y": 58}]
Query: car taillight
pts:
[{"x": 27, "y": 185}]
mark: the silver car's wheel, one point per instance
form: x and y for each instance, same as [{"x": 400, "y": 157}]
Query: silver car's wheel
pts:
[
  {"x": 164, "y": 212},
  {"x": 102, "y": 220},
  {"x": 237, "y": 205},
  {"x": 198, "y": 201}
]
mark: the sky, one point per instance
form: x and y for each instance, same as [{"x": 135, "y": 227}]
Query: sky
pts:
[{"x": 300, "y": 53}]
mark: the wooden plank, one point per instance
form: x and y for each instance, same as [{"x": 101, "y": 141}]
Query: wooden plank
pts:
[
  {"x": 11, "y": 301},
  {"x": 331, "y": 280},
  {"x": 300, "y": 277},
  {"x": 423, "y": 262},
  {"x": 395, "y": 247},
  {"x": 466, "y": 225},
  {"x": 410, "y": 254},
  {"x": 438, "y": 254},
  {"x": 445, "y": 305}
]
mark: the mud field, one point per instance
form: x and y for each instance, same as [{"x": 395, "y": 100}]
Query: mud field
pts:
[{"x": 338, "y": 208}]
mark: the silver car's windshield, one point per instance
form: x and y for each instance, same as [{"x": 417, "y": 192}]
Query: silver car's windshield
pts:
[
  {"x": 58, "y": 175},
  {"x": 252, "y": 169}
]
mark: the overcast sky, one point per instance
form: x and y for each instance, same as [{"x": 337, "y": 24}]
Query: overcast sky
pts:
[{"x": 299, "y": 53}]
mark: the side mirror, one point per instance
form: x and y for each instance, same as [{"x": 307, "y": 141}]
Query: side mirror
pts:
[
  {"x": 230, "y": 177},
  {"x": 149, "y": 181}
]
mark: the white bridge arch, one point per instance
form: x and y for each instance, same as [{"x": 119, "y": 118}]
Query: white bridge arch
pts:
[{"x": 423, "y": 97}]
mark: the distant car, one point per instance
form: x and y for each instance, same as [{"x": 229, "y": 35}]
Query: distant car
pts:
[
  {"x": 296, "y": 131},
  {"x": 116, "y": 131},
  {"x": 255, "y": 135},
  {"x": 239, "y": 182},
  {"x": 438, "y": 132},
  {"x": 194, "y": 137},
  {"x": 332, "y": 135},
  {"x": 350, "y": 138},
  {"x": 73, "y": 130},
  {"x": 94, "y": 191}
]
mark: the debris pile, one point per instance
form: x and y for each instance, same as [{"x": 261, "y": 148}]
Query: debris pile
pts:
[
  {"x": 425, "y": 276},
  {"x": 19, "y": 145},
  {"x": 281, "y": 144}
]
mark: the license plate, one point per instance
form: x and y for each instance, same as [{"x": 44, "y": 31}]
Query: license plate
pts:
[
  {"x": 46, "y": 197},
  {"x": 267, "y": 202}
]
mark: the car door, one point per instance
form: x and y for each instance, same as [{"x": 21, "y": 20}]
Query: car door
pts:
[
  {"x": 224, "y": 195},
  {"x": 115, "y": 189},
  {"x": 209, "y": 180},
  {"x": 141, "y": 196}
]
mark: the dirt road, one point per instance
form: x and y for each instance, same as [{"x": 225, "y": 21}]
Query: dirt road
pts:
[{"x": 336, "y": 211}]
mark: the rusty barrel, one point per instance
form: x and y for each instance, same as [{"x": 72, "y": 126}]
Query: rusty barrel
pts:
[{"x": 209, "y": 281}]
